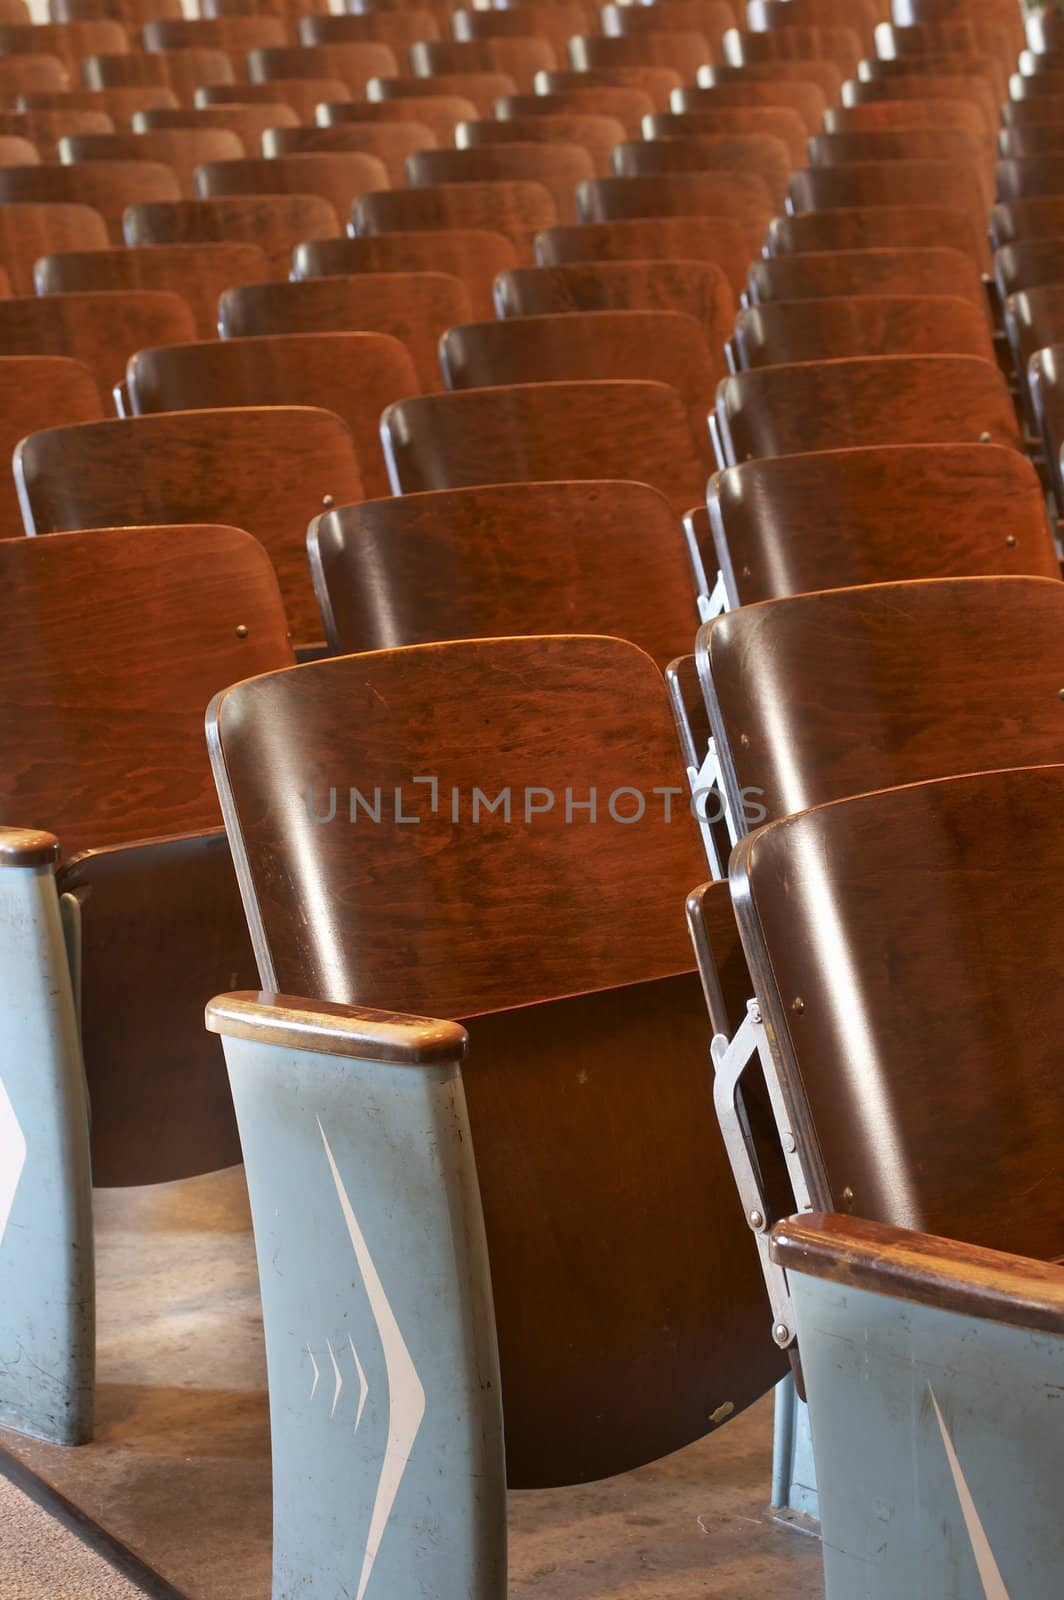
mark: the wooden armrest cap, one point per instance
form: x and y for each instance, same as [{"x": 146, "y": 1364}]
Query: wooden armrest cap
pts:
[
  {"x": 27, "y": 847},
  {"x": 963, "y": 1278},
  {"x": 330, "y": 1029}
]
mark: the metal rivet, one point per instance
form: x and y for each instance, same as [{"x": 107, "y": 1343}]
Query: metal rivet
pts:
[
  {"x": 1010, "y": 541},
  {"x": 790, "y": 1143},
  {"x": 756, "y": 1013},
  {"x": 984, "y": 438},
  {"x": 1060, "y": 694},
  {"x": 798, "y": 1004},
  {"x": 744, "y": 740},
  {"x": 327, "y": 501},
  {"x": 242, "y": 631},
  {"x": 756, "y": 1220},
  {"x": 847, "y": 1196},
  {"x": 781, "y": 1333}
]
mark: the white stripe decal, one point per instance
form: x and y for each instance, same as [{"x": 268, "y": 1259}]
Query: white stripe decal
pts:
[
  {"x": 12, "y": 1158},
  {"x": 987, "y": 1567},
  {"x": 317, "y": 1374},
  {"x": 338, "y": 1380},
  {"x": 406, "y": 1396},
  {"x": 363, "y": 1383}
]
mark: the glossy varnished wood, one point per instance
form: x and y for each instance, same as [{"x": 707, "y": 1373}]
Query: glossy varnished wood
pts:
[
  {"x": 759, "y": 154},
  {"x": 959, "y": 116},
  {"x": 337, "y": 177},
  {"x": 828, "y": 405},
  {"x": 875, "y": 227},
  {"x": 797, "y": 42},
  {"x": 107, "y": 187},
  {"x": 909, "y": 270},
  {"x": 861, "y": 325},
  {"x": 413, "y": 307},
  {"x": 354, "y": 374},
  {"x": 29, "y": 231},
  {"x": 38, "y": 392},
  {"x": 904, "y": 144},
  {"x": 275, "y": 223},
  {"x": 597, "y": 135},
  {"x": 472, "y": 255},
  {"x": 99, "y": 330},
  {"x": 120, "y": 104},
  {"x": 182, "y": 71},
  {"x": 556, "y": 22},
  {"x": 180, "y": 149},
  {"x": 964, "y": 1143},
  {"x": 696, "y": 288},
  {"x": 517, "y": 59},
  {"x": 679, "y": 52},
  {"x": 667, "y": 347},
  {"x": 264, "y": 469},
  {"x": 787, "y": 524},
  {"x": 390, "y": 143},
  {"x": 478, "y": 89},
  {"x": 518, "y": 210},
  {"x": 625, "y": 106},
  {"x": 198, "y": 273},
  {"x": 248, "y": 122},
  {"x": 510, "y": 559},
  {"x": 660, "y": 1317},
  {"x": 353, "y": 65},
  {"x": 1028, "y": 263},
  {"x": 925, "y": 86},
  {"x": 782, "y": 123},
  {"x": 542, "y": 432},
  {"x": 657, "y": 83},
  {"x": 439, "y": 112},
  {"x": 301, "y": 95},
  {"x": 397, "y": 29},
  {"x": 807, "y": 99},
  {"x": 716, "y": 241},
  {"x": 894, "y": 183},
  {"x": 740, "y": 196},
  {"x": 558, "y": 167}
]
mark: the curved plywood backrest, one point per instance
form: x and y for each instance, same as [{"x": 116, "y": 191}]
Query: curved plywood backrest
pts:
[
  {"x": 352, "y": 64},
  {"x": 1029, "y": 176},
  {"x": 596, "y": 135},
  {"x": 841, "y": 47},
  {"x": 131, "y": 631},
  {"x": 665, "y": 347},
  {"x": 657, "y": 83},
  {"x": 759, "y": 154},
  {"x": 197, "y": 272},
  {"x": 517, "y": 59},
  {"x": 805, "y": 98},
  {"x": 510, "y": 925},
  {"x": 906, "y": 269},
  {"x": 920, "y": 926},
  {"x": 628, "y": 107},
  {"x": 38, "y": 391},
  {"x": 1040, "y": 217},
  {"x": 338, "y": 177},
  {"x": 740, "y": 196},
  {"x": 266, "y": 469},
  {"x": 301, "y": 95},
  {"x": 697, "y": 288},
  {"x": 516, "y": 208},
  {"x": 789, "y": 524},
  {"x": 680, "y": 52},
  {"x": 960, "y": 116},
  {"x": 1045, "y": 380},
  {"x": 181, "y": 149},
  {"x": 107, "y": 187},
  {"x": 882, "y": 687},
  {"x": 894, "y": 183},
  {"x": 717, "y": 240},
  {"x": 478, "y": 89},
  {"x": 274, "y": 222},
  {"x": 414, "y": 307},
  {"x": 861, "y": 325},
  {"x": 539, "y": 432},
  {"x": 782, "y": 123},
  {"x": 558, "y": 167},
  {"x": 874, "y": 227},
  {"x": 506, "y": 559},
  {"x": 473, "y": 255},
  {"x": 354, "y": 374},
  {"x": 829, "y": 405},
  {"x": 387, "y": 142},
  {"x": 1027, "y": 264},
  {"x": 101, "y": 330}
]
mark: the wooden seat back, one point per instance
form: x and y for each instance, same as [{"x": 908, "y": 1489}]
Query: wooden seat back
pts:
[
  {"x": 556, "y": 22},
  {"x": 474, "y": 256},
  {"x": 627, "y": 107},
  {"x": 802, "y": 96},
  {"x": 414, "y": 307},
  {"x": 131, "y": 631},
  {"x": 518, "y": 210},
  {"x": 478, "y": 89},
  {"x": 181, "y": 71},
  {"x": 941, "y": 1117},
  {"x": 1045, "y": 380},
  {"x": 198, "y": 273},
  {"x": 894, "y": 183},
  {"x": 553, "y": 1000},
  {"x": 301, "y": 95},
  {"x": 517, "y": 59},
  {"x": 507, "y": 559},
  {"x": 38, "y": 392},
  {"x": 441, "y": 113},
  {"x": 248, "y": 122},
  {"x": 595, "y": 134},
  {"x": 100, "y": 330},
  {"x": 716, "y": 241},
  {"x": 1034, "y": 320},
  {"x": 1029, "y": 176},
  {"x": 31, "y": 230},
  {"x": 922, "y": 87},
  {"x": 799, "y": 42},
  {"x": 861, "y": 325},
  {"x": 873, "y": 228},
  {"x": 666, "y": 347},
  {"x": 106, "y": 187},
  {"x": 696, "y": 288},
  {"x": 757, "y": 153},
  {"x": 390, "y": 143},
  {"x": 828, "y": 405},
  {"x": 354, "y": 374},
  {"x": 338, "y": 177},
  {"x": 780, "y": 123},
  {"x": 739, "y": 196},
  {"x": 236, "y": 35},
  {"x": 656, "y": 83},
  {"x": 953, "y": 116},
  {"x": 276, "y": 223},
  {"x": 1028, "y": 263},
  {"x": 558, "y": 167},
  {"x": 397, "y": 29},
  {"x": 266, "y": 469},
  {"x": 680, "y": 52},
  {"x": 180, "y": 149},
  {"x": 877, "y": 513},
  {"x": 540, "y": 432},
  {"x": 353, "y": 65},
  {"x": 915, "y": 270},
  {"x": 120, "y": 104}
]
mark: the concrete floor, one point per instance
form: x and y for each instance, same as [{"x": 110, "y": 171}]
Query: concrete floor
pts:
[{"x": 179, "y": 1471}]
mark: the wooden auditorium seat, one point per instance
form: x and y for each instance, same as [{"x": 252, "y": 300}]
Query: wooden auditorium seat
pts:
[
  {"x": 874, "y": 270},
  {"x": 276, "y": 223},
  {"x": 625, "y": 106},
  {"x": 441, "y": 113},
  {"x": 806, "y": 99},
  {"x": 338, "y": 177},
  {"x": 518, "y": 210},
  {"x": 740, "y": 196},
  {"x": 875, "y": 227},
  {"x": 390, "y": 143},
  {"x": 107, "y": 187},
  {"x": 539, "y": 432},
  {"x": 759, "y": 154},
  {"x": 595, "y": 134},
  {"x": 353, "y": 65},
  {"x": 558, "y": 167},
  {"x": 267, "y": 469},
  {"x": 248, "y": 122},
  {"x": 474, "y": 256},
  {"x": 180, "y": 149},
  {"x": 518, "y": 59},
  {"x": 100, "y": 330},
  {"x": 507, "y": 559},
  {"x": 893, "y": 183},
  {"x": 29, "y": 231},
  {"x": 414, "y": 307},
  {"x": 478, "y": 89},
  {"x": 828, "y": 328},
  {"x": 679, "y": 52},
  {"x": 716, "y": 241},
  {"x": 781, "y": 123},
  {"x": 302, "y": 95},
  {"x": 37, "y": 391},
  {"x": 696, "y": 288}
]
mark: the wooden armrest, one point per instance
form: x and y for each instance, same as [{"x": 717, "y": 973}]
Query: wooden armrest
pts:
[
  {"x": 336, "y": 1030},
  {"x": 938, "y": 1272},
  {"x": 27, "y": 847}
]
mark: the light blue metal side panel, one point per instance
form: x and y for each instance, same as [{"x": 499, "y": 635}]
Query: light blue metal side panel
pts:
[
  {"x": 794, "y": 1492},
  {"x": 388, "y": 1470},
  {"x": 47, "y": 1296},
  {"x": 939, "y": 1448}
]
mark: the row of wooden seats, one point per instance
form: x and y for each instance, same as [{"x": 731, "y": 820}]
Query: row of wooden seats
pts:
[{"x": 598, "y": 710}]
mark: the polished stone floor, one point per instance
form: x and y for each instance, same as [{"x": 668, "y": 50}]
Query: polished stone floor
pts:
[{"x": 179, "y": 1472}]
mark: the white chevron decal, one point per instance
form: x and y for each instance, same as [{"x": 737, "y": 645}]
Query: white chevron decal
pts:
[
  {"x": 337, "y": 1379},
  {"x": 317, "y": 1374},
  {"x": 406, "y": 1396},
  {"x": 12, "y": 1158},
  {"x": 363, "y": 1385},
  {"x": 987, "y": 1567}
]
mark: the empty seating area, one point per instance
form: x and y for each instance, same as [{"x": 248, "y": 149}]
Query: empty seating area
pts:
[{"x": 532, "y": 844}]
